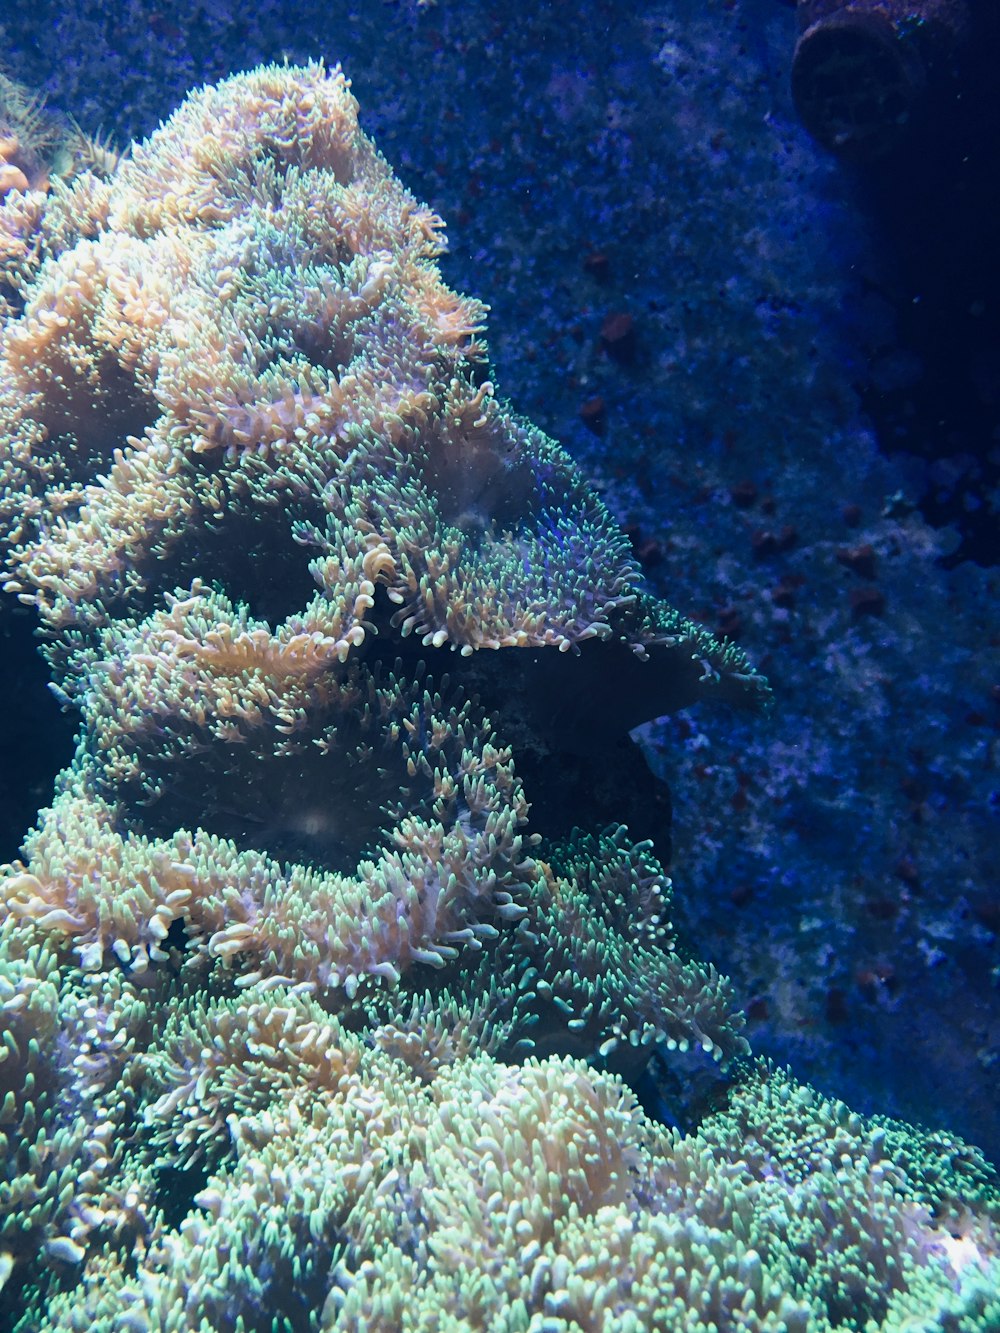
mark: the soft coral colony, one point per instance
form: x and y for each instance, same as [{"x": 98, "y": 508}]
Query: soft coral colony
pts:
[{"x": 303, "y": 1026}]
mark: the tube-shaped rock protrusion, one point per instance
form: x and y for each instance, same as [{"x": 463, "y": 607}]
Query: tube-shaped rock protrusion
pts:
[{"x": 862, "y": 67}]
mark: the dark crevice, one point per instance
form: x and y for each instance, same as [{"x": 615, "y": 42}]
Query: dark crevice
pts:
[
  {"x": 934, "y": 393},
  {"x": 37, "y": 737}
]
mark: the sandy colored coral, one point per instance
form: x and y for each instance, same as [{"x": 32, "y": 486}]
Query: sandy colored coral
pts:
[
  {"x": 248, "y": 319},
  {"x": 291, "y": 925},
  {"x": 608, "y": 989},
  {"x": 540, "y": 1196},
  {"x": 305, "y": 1025}
]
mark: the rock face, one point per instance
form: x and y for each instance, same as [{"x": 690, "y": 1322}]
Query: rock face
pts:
[
  {"x": 864, "y": 69},
  {"x": 267, "y": 953}
]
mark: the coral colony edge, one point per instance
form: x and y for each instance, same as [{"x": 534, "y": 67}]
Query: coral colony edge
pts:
[{"x": 304, "y": 1025}]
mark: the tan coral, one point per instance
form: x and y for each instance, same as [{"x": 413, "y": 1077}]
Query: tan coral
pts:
[
  {"x": 251, "y": 481},
  {"x": 525, "y": 1193},
  {"x": 249, "y": 312},
  {"x": 101, "y": 891}
]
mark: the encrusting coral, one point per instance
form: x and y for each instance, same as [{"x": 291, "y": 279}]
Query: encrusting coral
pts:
[{"x": 305, "y": 1026}]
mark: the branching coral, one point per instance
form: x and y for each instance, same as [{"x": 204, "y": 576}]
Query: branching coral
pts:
[{"x": 296, "y": 999}]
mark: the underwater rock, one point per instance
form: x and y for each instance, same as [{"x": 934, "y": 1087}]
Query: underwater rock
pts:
[{"x": 862, "y": 68}]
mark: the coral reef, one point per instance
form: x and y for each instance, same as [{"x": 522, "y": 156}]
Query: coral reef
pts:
[
  {"x": 341, "y": 1185},
  {"x": 652, "y": 163},
  {"x": 247, "y": 317},
  {"x": 274, "y": 952}
]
